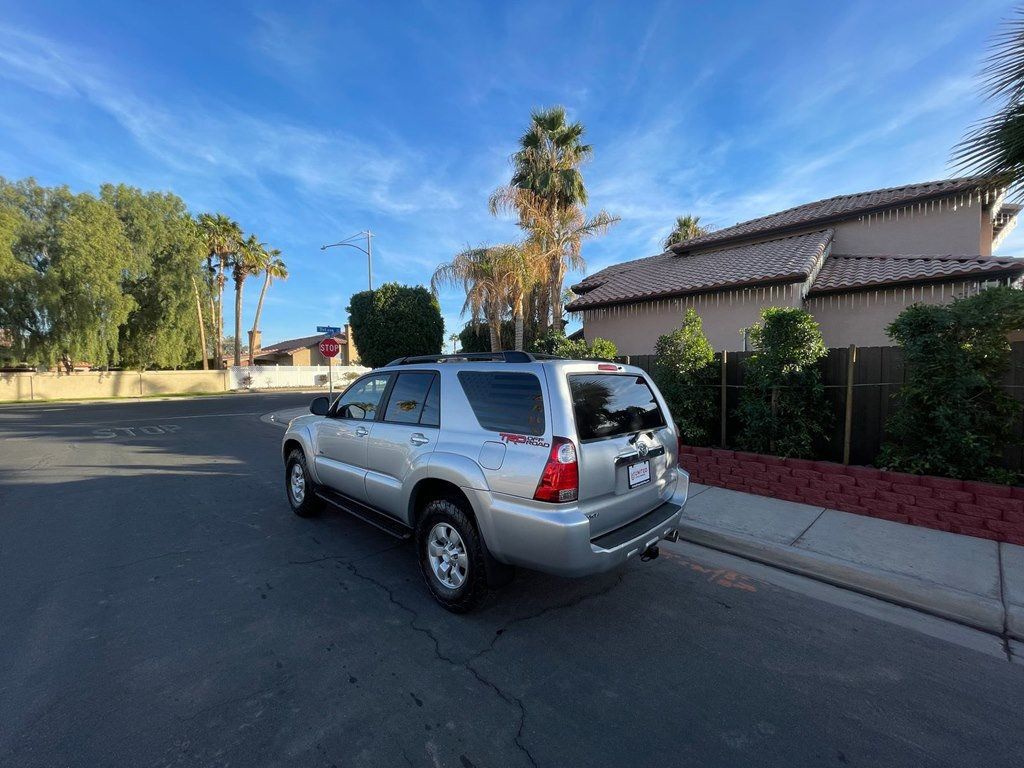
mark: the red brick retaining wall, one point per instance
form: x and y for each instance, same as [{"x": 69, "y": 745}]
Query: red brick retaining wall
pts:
[{"x": 961, "y": 506}]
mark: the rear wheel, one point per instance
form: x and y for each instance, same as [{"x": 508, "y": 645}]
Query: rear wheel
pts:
[
  {"x": 299, "y": 485},
  {"x": 451, "y": 556}
]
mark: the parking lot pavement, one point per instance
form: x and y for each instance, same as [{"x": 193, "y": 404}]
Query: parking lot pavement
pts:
[{"x": 161, "y": 605}]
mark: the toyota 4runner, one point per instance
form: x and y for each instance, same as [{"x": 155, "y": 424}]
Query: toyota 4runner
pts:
[{"x": 493, "y": 461}]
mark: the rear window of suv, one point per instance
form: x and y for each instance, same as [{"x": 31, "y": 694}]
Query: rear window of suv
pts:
[
  {"x": 609, "y": 404},
  {"x": 504, "y": 401}
]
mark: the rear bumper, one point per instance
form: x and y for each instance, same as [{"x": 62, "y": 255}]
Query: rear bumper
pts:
[{"x": 558, "y": 540}]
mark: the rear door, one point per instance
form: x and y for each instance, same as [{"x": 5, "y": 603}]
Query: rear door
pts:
[
  {"x": 402, "y": 439},
  {"x": 625, "y": 447},
  {"x": 342, "y": 436}
]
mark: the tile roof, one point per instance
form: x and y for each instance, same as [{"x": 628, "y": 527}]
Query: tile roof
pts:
[
  {"x": 845, "y": 273},
  {"x": 833, "y": 209},
  {"x": 669, "y": 274},
  {"x": 293, "y": 345}
]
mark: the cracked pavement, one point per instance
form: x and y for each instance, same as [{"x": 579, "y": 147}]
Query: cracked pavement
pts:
[{"x": 161, "y": 606}]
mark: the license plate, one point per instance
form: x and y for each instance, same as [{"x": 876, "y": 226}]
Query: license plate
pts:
[{"x": 639, "y": 473}]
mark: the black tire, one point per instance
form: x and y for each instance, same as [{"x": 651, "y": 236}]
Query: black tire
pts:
[
  {"x": 473, "y": 588},
  {"x": 309, "y": 504}
]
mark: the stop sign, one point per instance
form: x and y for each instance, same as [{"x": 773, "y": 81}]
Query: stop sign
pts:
[{"x": 329, "y": 347}]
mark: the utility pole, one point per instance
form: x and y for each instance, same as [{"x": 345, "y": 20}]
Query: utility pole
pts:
[{"x": 368, "y": 250}]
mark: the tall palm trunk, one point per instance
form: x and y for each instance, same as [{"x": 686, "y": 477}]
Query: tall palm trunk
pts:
[
  {"x": 494, "y": 323},
  {"x": 555, "y": 298},
  {"x": 519, "y": 321},
  {"x": 239, "y": 282},
  {"x": 220, "y": 313},
  {"x": 256, "y": 320},
  {"x": 202, "y": 329}
]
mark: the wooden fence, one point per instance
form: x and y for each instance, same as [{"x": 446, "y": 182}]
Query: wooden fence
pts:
[{"x": 860, "y": 394}]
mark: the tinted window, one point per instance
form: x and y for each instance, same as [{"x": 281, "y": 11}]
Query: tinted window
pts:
[
  {"x": 360, "y": 401},
  {"x": 407, "y": 398},
  {"x": 606, "y": 405},
  {"x": 505, "y": 402},
  {"x": 432, "y": 407}
]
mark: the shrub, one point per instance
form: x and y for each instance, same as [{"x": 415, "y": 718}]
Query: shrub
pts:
[
  {"x": 476, "y": 337},
  {"x": 683, "y": 371},
  {"x": 394, "y": 321},
  {"x": 952, "y": 418},
  {"x": 557, "y": 343},
  {"x": 782, "y": 407}
]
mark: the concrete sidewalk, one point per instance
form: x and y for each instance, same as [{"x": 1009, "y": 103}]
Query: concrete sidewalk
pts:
[{"x": 974, "y": 581}]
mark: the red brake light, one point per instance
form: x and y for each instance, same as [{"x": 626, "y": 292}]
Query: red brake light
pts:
[
  {"x": 560, "y": 480},
  {"x": 607, "y": 367}
]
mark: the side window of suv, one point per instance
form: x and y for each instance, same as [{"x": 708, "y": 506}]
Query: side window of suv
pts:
[
  {"x": 410, "y": 398},
  {"x": 362, "y": 399},
  {"x": 505, "y": 402}
]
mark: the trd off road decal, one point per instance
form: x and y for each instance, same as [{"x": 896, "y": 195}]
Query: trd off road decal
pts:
[{"x": 539, "y": 442}]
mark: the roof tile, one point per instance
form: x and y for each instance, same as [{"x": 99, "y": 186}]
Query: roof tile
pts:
[{"x": 845, "y": 273}]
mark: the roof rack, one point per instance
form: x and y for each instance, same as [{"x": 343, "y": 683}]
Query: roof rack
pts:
[{"x": 508, "y": 356}]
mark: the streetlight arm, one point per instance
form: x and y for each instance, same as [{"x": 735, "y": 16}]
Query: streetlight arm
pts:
[
  {"x": 350, "y": 245},
  {"x": 368, "y": 250}
]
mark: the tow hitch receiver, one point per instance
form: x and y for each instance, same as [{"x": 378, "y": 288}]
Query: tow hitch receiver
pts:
[
  {"x": 672, "y": 535},
  {"x": 651, "y": 553}
]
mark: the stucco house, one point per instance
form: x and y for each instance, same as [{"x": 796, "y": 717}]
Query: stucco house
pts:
[
  {"x": 306, "y": 351},
  {"x": 854, "y": 262}
]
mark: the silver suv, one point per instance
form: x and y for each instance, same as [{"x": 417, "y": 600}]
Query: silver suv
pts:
[{"x": 493, "y": 461}]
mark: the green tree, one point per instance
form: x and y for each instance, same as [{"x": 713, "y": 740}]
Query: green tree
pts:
[
  {"x": 687, "y": 227},
  {"x": 485, "y": 274},
  {"x": 222, "y": 236},
  {"x": 274, "y": 269},
  {"x": 250, "y": 258},
  {"x": 67, "y": 258},
  {"x": 683, "y": 371},
  {"x": 396, "y": 321},
  {"x": 782, "y": 406},
  {"x": 163, "y": 330},
  {"x": 952, "y": 418},
  {"x": 475, "y": 337},
  {"x": 994, "y": 146},
  {"x": 547, "y": 168}
]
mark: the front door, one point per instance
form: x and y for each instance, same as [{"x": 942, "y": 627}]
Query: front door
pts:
[
  {"x": 402, "y": 440},
  {"x": 342, "y": 436}
]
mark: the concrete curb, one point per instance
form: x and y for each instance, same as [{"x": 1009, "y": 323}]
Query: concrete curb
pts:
[{"x": 945, "y": 602}]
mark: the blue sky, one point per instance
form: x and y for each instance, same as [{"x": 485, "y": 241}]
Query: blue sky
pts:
[{"x": 308, "y": 122}]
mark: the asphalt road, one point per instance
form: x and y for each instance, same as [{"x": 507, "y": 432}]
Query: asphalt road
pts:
[{"x": 160, "y": 605}]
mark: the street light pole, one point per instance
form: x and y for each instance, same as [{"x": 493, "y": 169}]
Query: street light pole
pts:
[{"x": 368, "y": 250}]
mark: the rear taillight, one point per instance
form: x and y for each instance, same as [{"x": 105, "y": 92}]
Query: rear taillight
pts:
[
  {"x": 561, "y": 478},
  {"x": 607, "y": 367}
]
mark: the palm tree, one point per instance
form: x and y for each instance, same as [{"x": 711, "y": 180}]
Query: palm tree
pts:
[
  {"x": 483, "y": 274},
  {"x": 249, "y": 259},
  {"x": 274, "y": 269},
  {"x": 687, "y": 228},
  {"x": 556, "y": 235},
  {"x": 222, "y": 236},
  {"x": 547, "y": 165},
  {"x": 994, "y": 146}
]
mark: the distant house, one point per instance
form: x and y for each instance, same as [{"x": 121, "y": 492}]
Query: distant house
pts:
[
  {"x": 305, "y": 351},
  {"x": 854, "y": 262}
]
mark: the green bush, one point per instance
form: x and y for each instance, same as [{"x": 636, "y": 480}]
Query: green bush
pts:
[
  {"x": 782, "y": 407},
  {"x": 395, "y": 321},
  {"x": 476, "y": 337},
  {"x": 952, "y": 418},
  {"x": 556, "y": 343},
  {"x": 684, "y": 371}
]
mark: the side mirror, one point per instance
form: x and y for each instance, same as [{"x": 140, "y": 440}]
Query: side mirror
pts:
[{"x": 320, "y": 406}]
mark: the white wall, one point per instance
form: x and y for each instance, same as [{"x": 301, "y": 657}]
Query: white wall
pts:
[
  {"x": 276, "y": 376},
  {"x": 952, "y": 227}
]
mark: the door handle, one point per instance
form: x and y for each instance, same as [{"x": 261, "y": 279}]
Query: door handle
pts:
[
  {"x": 362, "y": 431},
  {"x": 418, "y": 438}
]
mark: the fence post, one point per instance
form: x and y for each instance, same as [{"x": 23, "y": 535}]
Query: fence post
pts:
[
  {"x": 724, "y": 390},
  {"x": 848, "y": 428}
]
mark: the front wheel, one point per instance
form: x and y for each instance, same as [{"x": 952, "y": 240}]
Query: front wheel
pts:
[
  {"x": 300, "y": 486},
  {"x": 451, "y": 556}
]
